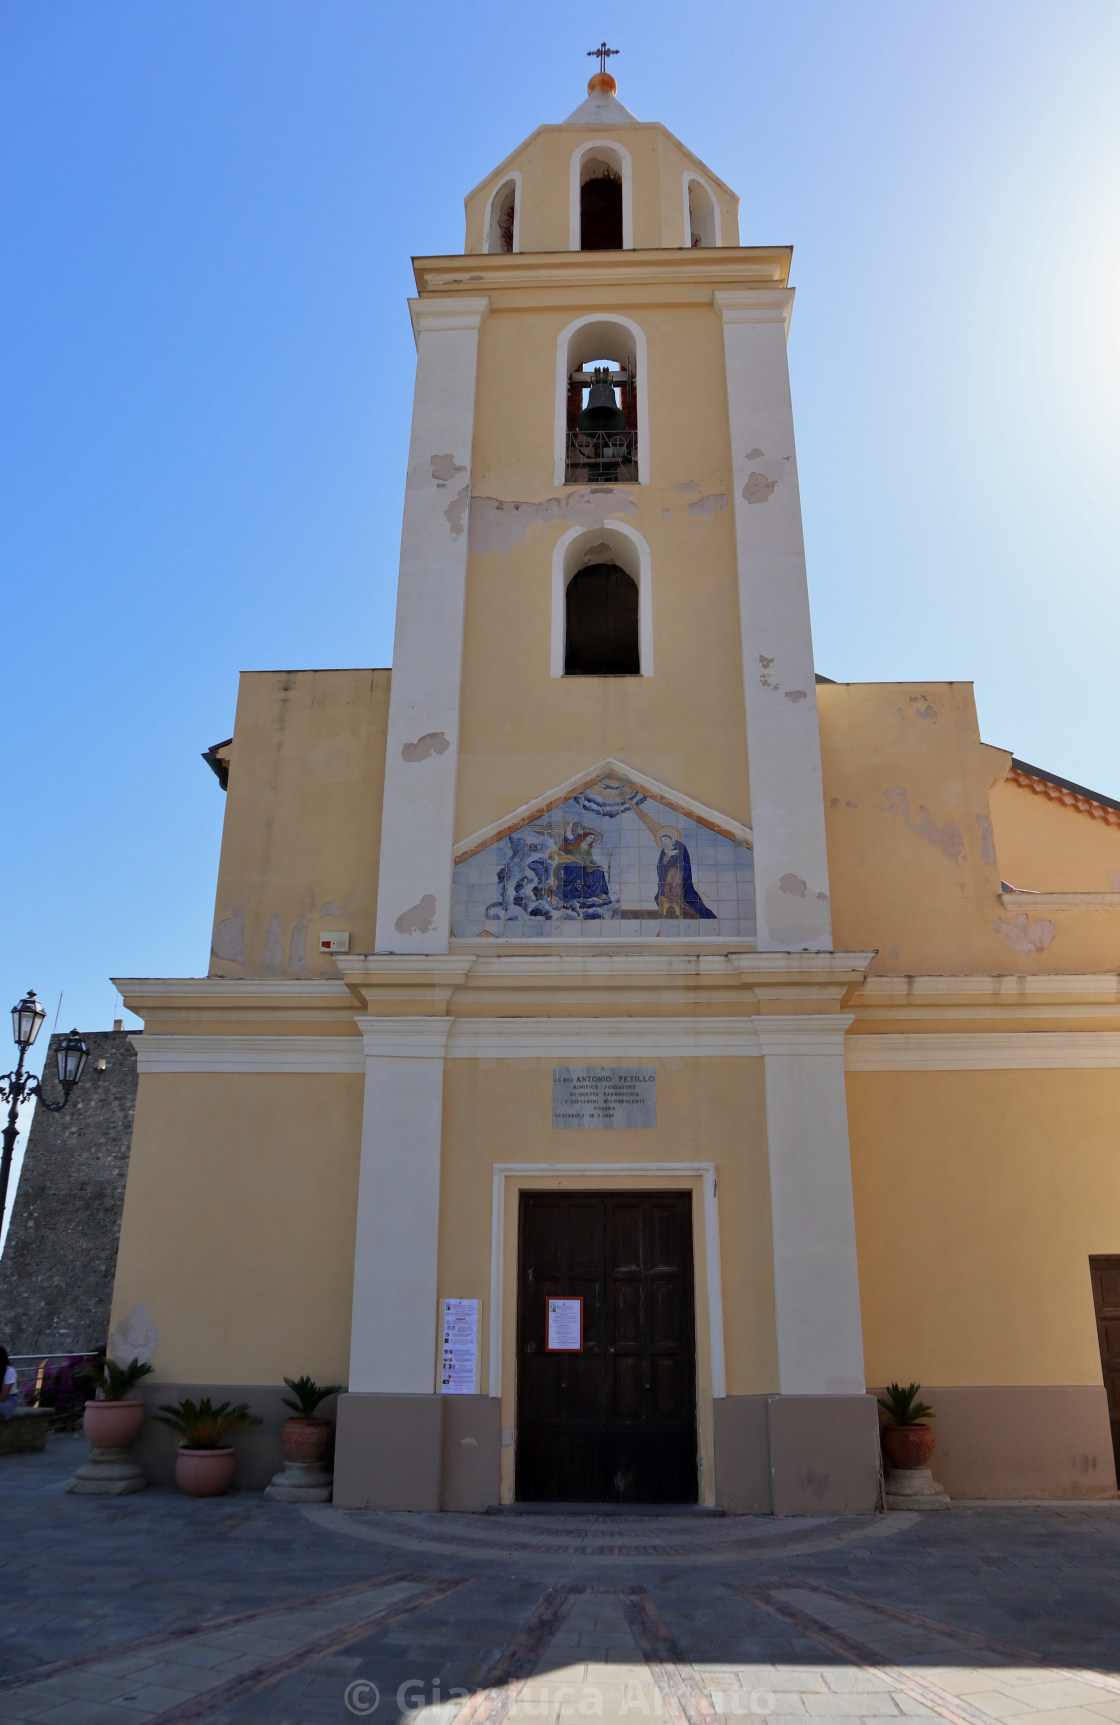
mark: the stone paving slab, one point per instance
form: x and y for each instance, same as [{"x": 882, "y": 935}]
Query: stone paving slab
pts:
[{"x": 156, "y": 1608}]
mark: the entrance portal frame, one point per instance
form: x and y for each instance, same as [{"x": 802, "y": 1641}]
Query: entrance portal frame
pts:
[{"x": 510, "y": 1179}]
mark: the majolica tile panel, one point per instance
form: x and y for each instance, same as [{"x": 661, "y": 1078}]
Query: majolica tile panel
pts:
[{"x": 610, "y": 860}]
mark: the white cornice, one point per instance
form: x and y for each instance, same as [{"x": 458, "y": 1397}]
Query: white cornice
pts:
[
  {"x": 458, "y": 313},
  {"x": 1028, "y": 1050},
  {"x": 332, "y": 1054},
  {"x": 412, "y": 1038},
  {"x": 232, "y": 987},
  {"x": 755, "y": 305}
]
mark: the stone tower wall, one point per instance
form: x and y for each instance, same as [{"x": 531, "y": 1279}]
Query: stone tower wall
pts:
[{"x": 56, "y": 1274}]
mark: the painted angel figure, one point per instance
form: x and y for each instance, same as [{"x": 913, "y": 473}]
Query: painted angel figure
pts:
[
  {"x": 676, "y": 894},
  {"x": 579, "y": 882}
]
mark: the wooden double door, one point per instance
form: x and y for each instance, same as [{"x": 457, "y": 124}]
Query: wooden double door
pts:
[
  {"x": 1105, "y": 1273},
  {"x": 612, "y": 1420}
]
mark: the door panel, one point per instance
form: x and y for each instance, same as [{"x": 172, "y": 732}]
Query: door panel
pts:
[
  {"x": 616, "y": 1422},
  {"x": 1105, "y": 1275}
]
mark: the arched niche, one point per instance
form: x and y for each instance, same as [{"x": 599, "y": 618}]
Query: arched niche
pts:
[
  {"x": 701, "y": 213},
  {"x": 502, "y": 227},
  {"x": 583, "y": 548},
  {"x": 601, "y": 164},
  {"x": 587, "y": 340}
]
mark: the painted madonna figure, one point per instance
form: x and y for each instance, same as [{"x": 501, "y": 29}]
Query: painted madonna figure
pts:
[{"x": 676, "y": 894}]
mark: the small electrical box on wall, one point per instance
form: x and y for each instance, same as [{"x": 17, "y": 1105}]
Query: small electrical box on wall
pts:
[{"x": 339, "y": 941}]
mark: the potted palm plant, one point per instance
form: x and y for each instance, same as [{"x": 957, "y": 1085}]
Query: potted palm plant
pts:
[
  {"x": 305, "y": 1434},
  {"x": 205, "y": 1463},
  {"x": 114, "y": 1419},
  {"x": 907, "y": 1440}
]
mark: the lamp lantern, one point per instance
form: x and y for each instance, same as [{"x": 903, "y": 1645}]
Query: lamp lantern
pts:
[
  {"x": 71, "y": 1054},
  {"x": 27, "y": 1017}
]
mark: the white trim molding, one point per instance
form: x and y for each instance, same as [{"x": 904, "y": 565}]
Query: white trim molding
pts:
[
  {"x": 418, "y": 810},
  {"x": 1019, "y": 898},
  {"x": 625, "y": 166},
  {"x": 405, "y": 1038},
  {"x": 513, "y": 176},
  {"x": 564, "y": 367},
  {"x": 1013, "y": 1051},
  {"x": 333, "y": 1054},
  {"x": 622, "y": 1171},
  {"x": 687, "y": 179},
  {"x": 566, "y": 564}
]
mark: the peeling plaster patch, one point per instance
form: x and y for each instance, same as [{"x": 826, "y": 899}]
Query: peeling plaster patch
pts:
[
  {"x": 793, "y": 884},
  {"x": 765, "y": 662},
  {"x": 929, "y": 711},
  {"x": 949, "y": 839},
  {"x": 708, "y": 505},
  {"x": 987, "y": 843},
  {"x": 688, "y": 485},
  {"x": 894, "y": 952},
  {"x": 666, "y": 515},
  {"x": 297, "y": 946},
  {"x": 754, "y": 455},
  {"x": 851, "y": 805},
  {"x": 1023, "y": 935},
  {"x": 431, "y": 743},
  {"x": 758, "y": 488},
  {"x": 823, "y": 897},
  {"x": 331, "y": 909},
  {"x": 496, "y": 525},
  {"x": 229, "y": 938},
  {"x": 834, "y": 802},
  {"x": 272, "y": 956},
  {"x": 444, "y": 468},
  {"x": 418, "y": 918},
  {"x": 797, "y": 694},
  {"x": 456, "y": 512}
]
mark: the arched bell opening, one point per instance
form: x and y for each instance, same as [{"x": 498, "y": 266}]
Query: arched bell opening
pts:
[
  {"x": 601, "y": 415},
  {"x": 501, "y": 225},
  {"x": 702, "y": 216},
  {"x": 601, "y": 623},
  {"x": 600, "y": 203}
]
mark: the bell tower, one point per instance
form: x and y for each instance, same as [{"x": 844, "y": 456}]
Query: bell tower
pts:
[{"x": 602, "y": 556}]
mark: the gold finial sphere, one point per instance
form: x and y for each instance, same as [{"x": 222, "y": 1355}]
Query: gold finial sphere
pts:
[{"x": 601, "y": 84}]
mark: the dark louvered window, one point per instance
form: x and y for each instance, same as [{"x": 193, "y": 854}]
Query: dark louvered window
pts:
[{"x": 602, "y": 623}]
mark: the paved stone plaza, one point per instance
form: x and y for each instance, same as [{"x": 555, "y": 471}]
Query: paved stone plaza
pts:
[{"x": 157, "y": 1608}]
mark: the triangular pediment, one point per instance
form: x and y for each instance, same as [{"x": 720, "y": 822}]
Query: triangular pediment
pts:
[{"x": 610, "y": 852}]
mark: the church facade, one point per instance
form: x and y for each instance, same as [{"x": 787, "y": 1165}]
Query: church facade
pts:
[{"x": 622, "y": 1048}]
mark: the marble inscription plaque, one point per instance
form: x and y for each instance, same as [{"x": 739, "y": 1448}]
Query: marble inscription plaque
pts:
[{"x": 597, "y": 1096}]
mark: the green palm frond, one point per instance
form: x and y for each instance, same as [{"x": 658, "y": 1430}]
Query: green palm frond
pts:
[{"x": 902, "y": 1405}]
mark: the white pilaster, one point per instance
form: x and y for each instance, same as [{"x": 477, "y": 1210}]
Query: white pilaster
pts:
[
  {"x": 393, "y": 1326},
  {"x": 816, "y": 1278},
  {"x": 422, "y": 750},
  {"x": 783, "y": 739}
]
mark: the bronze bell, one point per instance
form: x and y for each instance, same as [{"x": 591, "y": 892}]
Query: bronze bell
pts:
[{"x": 602, "y": 412}]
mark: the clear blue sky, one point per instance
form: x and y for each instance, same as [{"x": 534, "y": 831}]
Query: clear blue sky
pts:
[{"x": 208, "y": 211}]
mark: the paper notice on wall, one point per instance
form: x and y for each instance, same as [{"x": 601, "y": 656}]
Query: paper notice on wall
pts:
[
  {"x": 459, "y": 1348},
  {"x": 565, "y": 1327}
]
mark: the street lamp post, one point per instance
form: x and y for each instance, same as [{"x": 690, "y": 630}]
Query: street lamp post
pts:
[{"x": 18, "y": 1087}]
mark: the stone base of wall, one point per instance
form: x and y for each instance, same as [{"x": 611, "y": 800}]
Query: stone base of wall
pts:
[
  {"x": 797, "y": 1455},
  {"x": 1023, "y": 1441},
  {"x": 259, "y": 1453}
]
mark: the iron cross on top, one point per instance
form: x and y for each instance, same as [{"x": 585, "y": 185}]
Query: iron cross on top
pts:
[{"x": 602, "y": 53}]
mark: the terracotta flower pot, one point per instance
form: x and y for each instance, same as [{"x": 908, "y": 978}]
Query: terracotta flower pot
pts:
[
  {"x": 113, "y": 1425},
  {"x": 907, "y": 1447},
  {"x": 305, "y": 1439},
  {"x": 205, "y": 1472}
]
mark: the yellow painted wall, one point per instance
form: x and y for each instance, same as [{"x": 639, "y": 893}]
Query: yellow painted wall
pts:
[
  {"x": 1046, "y": 846},
  {"x": 708, "y": 1109},
  {"x": 914, "y": 865},
  {"x": 524, "y": 731},
  {"x": 979, "y": 1197},
  {"x": 238, "y": 1226},
  {"x": 303, "y": 819},
  {"x": 659, "y": 162}
]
